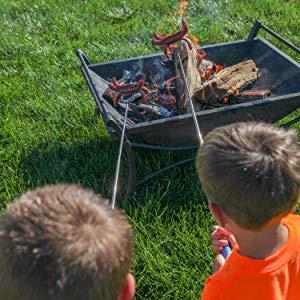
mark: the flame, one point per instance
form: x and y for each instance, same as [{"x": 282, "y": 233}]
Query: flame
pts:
[
  {"x": 218, "y": 68},
  {"x": 160, "y": 29},
  {"x": 173, "y": 19},
  {"x": 225, "y": 99},
  {"x": 194, "y": 40},
  {"x": 207, "y": 74},
  {"x": 211, "y": 72},
  {"x": 183, "y": 5}
]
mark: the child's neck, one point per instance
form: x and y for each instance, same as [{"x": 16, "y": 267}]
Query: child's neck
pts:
[{"x": 261, "y": 244}]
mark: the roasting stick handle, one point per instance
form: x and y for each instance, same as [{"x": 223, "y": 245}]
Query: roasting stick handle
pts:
[
  {"x": 191, "y": 102},
  {"x": 113, "y": 199},
  {"x": 226, "y": 251}
]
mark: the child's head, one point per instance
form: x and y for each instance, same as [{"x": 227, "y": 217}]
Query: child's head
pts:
[
  {"x": 251, "y": 171},
  {"x": 64, "y": 242}
]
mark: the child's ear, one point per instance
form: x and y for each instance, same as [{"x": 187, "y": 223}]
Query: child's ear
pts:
[
  {"x": 217, "y": 213},
  {"x": 128, "y": 290}
]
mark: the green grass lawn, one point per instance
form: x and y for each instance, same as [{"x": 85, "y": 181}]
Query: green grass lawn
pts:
[{"x": 48, "y": 132}]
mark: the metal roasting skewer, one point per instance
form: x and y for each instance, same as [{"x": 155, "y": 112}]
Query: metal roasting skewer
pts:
[
  {"x": 190, "y": 101},
  {"x": 113, "y": 199},
  {"x": 117, "y": 172},
  {"x": 227, "y": 249}
]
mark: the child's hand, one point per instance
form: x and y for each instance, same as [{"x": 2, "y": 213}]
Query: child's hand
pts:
[
  {"x": 221, "y": 238},
  {"x": 219, "y": 262}
]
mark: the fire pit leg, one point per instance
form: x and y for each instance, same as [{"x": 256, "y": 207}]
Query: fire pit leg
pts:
[{"x": 132, "y": 180}]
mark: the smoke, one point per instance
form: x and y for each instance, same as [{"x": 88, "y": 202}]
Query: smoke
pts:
[{"x": 158, "y": 72}]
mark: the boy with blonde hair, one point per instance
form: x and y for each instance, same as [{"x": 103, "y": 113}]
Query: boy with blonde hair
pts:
[
  {"x": 64, "y": 242},
  {"x": 250, "y": 173}
]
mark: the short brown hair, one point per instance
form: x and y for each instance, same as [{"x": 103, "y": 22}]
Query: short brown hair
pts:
[
  {"x": 251, "y": 171},
  {"x": 63, "y": 242}
]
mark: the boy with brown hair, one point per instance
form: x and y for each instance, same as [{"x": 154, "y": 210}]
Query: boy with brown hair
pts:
[
  {"x": 64, "y": 242},
  {"x": 250, "y": 173}
]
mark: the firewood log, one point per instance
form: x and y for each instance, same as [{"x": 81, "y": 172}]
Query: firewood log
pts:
[
  {"x": 228, "y": 81},
  {"x": 190, "y": 64}
]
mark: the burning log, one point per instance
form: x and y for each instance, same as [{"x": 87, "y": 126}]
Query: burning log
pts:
[
  {"x": 228, "y": 81},
  {"x": 189, "y": 58}
]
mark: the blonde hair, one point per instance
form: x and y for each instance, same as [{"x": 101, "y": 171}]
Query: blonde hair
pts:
[
  {"x": 63, "y": 242},
  {"x": 251, "y": 171}
]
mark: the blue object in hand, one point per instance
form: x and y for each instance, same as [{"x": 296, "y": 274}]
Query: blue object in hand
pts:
[{"x": 226, "y": 251}]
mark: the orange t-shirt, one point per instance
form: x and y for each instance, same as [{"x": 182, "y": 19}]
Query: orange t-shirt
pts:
[{"x": 276, "y": 277}]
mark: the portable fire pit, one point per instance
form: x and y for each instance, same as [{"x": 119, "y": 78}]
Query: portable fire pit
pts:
[{"x": 278, "y": 73}]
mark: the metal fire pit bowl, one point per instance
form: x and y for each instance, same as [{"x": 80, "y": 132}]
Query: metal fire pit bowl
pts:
[{"x": 279, "y": 73}]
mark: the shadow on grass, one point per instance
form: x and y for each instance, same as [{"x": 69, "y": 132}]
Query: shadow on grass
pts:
[
  {"x": 89, "y": 164},
  {"x": 93, "y": 165}
]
